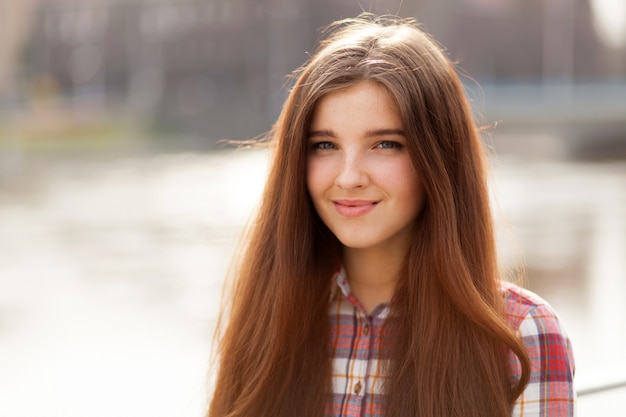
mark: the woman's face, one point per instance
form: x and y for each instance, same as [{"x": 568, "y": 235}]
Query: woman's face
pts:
[{"x": 359, "y": 173}]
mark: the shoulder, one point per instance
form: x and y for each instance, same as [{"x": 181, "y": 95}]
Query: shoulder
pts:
[
  {"x": 534, "y": 321},
  {"x": 522, "y": 305},
  {"x": 550, "y": 391}
]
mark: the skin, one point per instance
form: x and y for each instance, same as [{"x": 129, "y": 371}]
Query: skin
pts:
[{"x": 364, "y": 185}]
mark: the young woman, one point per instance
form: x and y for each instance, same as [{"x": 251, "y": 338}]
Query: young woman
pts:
[{"x": 368, "y": 285}]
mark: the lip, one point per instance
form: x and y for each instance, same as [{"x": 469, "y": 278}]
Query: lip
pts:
[{"x": 354, "y": 208}]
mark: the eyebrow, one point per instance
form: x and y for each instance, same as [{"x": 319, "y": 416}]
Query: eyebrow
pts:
[{"x": 369, "y": 133}]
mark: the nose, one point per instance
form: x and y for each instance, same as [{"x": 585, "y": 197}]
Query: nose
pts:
[{"x": 353, "y": 172}]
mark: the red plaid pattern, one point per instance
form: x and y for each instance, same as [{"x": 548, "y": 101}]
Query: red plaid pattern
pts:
[{"x": 359, "y": 367}]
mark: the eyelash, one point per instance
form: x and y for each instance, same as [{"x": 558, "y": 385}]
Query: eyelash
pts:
[
  {"x": 323, "y": 146},
  {"x": 383, "y": 144}
]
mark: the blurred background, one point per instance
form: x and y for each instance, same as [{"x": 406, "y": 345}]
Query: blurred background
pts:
[{"x": 120, "y": 209}]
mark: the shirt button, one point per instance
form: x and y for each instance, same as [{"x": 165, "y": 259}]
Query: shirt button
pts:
[
  {"x": 366, "y": 329},
  {"x": 357, "y": 388}
]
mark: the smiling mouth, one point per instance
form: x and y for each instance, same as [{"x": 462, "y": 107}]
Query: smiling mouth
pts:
[{"x": 354, "y": 208}]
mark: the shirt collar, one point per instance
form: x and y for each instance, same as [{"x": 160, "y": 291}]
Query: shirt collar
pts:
[
  {"x": 341, "y": 291},
  {"x": 340, "y": 285}
]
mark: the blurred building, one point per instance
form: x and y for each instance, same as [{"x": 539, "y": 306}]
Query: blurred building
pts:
[{"x": 216, "y": 68}]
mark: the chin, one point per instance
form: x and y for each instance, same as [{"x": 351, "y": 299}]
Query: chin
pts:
[{"x": 354, "y": 243}]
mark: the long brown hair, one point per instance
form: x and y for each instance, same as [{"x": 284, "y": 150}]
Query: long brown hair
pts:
[{"x": 450, "y": 353}]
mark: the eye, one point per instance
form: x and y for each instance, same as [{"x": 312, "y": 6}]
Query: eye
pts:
[
  {"x": 389, "y": 144},
  {"x": 323, "y": 146}
]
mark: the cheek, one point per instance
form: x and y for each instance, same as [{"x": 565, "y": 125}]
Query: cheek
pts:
[
  {"x": 398, "y": 174},
  {"x": 408, "y": 184},
  {"x": 316, "y": 177},
  {"x": 310, "y": 174}
]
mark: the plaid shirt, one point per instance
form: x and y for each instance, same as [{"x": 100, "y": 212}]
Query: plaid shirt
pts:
[{"x": 358, "y": 375}]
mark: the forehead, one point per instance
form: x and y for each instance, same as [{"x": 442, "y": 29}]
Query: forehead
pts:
[{"x": 367, "y": 104}]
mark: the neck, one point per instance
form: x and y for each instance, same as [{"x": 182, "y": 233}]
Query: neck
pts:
[{"x": 372, "y": 274}]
